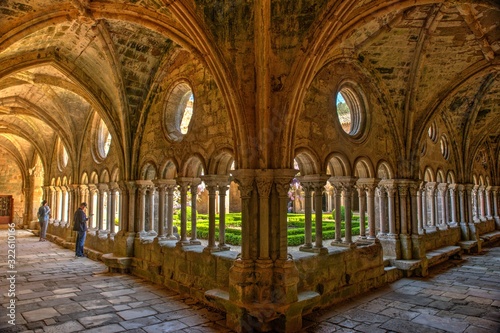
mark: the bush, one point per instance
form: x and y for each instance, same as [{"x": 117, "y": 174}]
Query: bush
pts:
[{"x": 342, "y": 213}]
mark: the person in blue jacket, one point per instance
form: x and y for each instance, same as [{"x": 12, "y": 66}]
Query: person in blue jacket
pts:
[
  {"x": 80, "y": 226},
  {"x": 43, "y": 219}
]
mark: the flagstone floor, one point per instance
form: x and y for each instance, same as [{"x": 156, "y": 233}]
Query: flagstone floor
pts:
[{"x": 56, "y": 292}]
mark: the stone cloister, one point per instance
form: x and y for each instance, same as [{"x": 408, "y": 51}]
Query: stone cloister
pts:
[{"x": 155, "y": 108}]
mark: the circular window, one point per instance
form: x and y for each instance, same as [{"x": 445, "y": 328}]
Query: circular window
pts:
[
  {"x": 178, "y": 111},
  {"x": 350, "y": 109},
  {"x": 103, "y": 140}
]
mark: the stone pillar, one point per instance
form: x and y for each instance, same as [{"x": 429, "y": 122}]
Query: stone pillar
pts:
[
  {"x": 495, "y": 206},
  {"x": 329, "y": 197},
  {"x": 407, "y": 190},
  {"x": 161, "y": 186},
  {"x": 183, "y": 188},
  {"x": 420, "y": 219},
  {"x": 414, "y": 203},
  {"x": 222, "y": 216},
  {"x": 452, "y": 189},
  {"x": 170, "y": 209},
  {"x": 64, "y": 205},
  {"x": 307, "y": 246},
  {"x": 102, "y": 193},
  {"x": 370, "y": 193},
  {"x": 382, "y": 195},
  {"x": 130, "y": 208},
  {"x": 264, "y": 181},
  {"x": 347, "y": 187},
  {"x": 488, "y": 202},
  {"x": 113, "y": 188},
  {"x": 431, "y": 199},
  {"x": 475, "y": 204},
  {"x": 362, "y": 204},
  {"x": 423, "y": 190},
  {"x": 471, "y": 191},
  {"x": 391, "y": 209},
  {"x": 245, "y": 180},
  {"x": 481, "y": 203},
  {"x": 337, "y": 195},
  {"x": 194, "y": 195},
  {"x": 93, "y": 206},
  {"x": 464, "y": 212},
  {"x": 282, "y": 180},
  {"x": 443, "y": 199},
  {"x": 151, "y": 211},
  {"x": 142, "y": 187}
]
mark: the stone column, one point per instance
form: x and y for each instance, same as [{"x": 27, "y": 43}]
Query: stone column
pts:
[
  {"x": 431, "y": 198},
  {"x": 282, "y": 180},
  {"x": 423, "y": 190},
  {"x": 306, "y": 186},
  {"x": 453, "y": 203},
  {"x": 481, "y": 203},
  {"x": 64, "y": 205},
  {"x": 113, "y": 188},
  {"x": 222, "y": 216},
  {"x": 183, "y": 188},
  {"x": 151, "y": 210},
  {"x": 362, "y": 204},
  {"x": 337, "y": 195},
  {"x": 102, "y": 190},
  {"x": 170, "y": 209},
  {"x": 142, "y": 187},
  {"x": 414, "y": 203},
  {"x": 488, "y": 202},
  {"x": 495, "y": 206},
  {"x": 194, "y": 196},
  {"x": 92, "y": 210},
  {"x": 245, "y": 180},
  {"x": 420, "y": 218},
  {"x": 382, "y": 195},
  {"x": 391, "y": 209},
  {"x": 264, "y": 181},
  {"x": 161, "y": 186},
  {"x": 475, "y": 204},
  {"x": 370, "y": 193},
  {"x": 130, "y": 208},
  {"x": 329, "y": 197},
  {"x": 319, "y": 186},
  {"x": 442, "y": 191}
]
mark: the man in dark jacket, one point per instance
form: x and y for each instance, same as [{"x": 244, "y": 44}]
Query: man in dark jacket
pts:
[{"x": 80, "y": 226}]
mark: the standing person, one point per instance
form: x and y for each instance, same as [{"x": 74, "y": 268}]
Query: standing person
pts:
[
  {"x": 80, "y": 226},
  {"x": 43, "y": 219}
]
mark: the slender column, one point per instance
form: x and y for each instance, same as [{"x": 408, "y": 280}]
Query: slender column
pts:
[
  {"x": 347, "y": 192},
  {"x": 431, "y": 191},
  {"x": 425, "y": 215},
  {"x": 487, "y": 192},
  {"x": 57, "y": 208},
  {"x": 462, "y": 204},
  {"x": 130, "y": 221},
  {"x": 474, "y": 203},
  {"x": 151, "y": 210},
  {"x": 307, "y": 217},
  {"x": 391, "y": 211},
  {"x": 329, "y": 197},
  {"x": 370, "y": 193},
  {"x": 222, "y": 217},
  {"x": 442, "y": 191},
  {"x": 481, "y": 210},
  {"x": 282, "y": 180},
  {"x": 337, "y": 195},
  {"x": 403, "y": 208},
  {"x": 142, "y": 187},
  {"x": 161, "y": 186},
  {"x": 495, "y": 203},
  {"x": 452, "y": 189},
  {"x": 414, "y": 202},
  {"x": 102, "y": 190},
  {"x": 264, "y": 182},
  {"x": 93, "y": 206},
  {"x": 71, "y": 204},
  {"x": 420, "y": 220},
  {"x": 211, "y": 186},
  {"x": 318, "y": 203},
  {"x": 112, "y": 208},
  {"x": 194, "y": 196},
  {"x": 170, "y": 210},
  {"x": 245, "y": 180},
  {"x": 64, "y": 207},
  {"x": 382, "y": 194},
  {"x": 362, "y": 203},
  {"x": 183, "y": 187}
]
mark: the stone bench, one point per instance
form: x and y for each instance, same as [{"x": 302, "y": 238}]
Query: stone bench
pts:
[
  {"x": 443, "y": 254},
  {"x": 490, "y": 237},
  {"x": 469, "y": 246}
]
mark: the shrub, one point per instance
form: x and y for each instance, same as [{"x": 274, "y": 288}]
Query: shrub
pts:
[{"x": 342, "y": 213}]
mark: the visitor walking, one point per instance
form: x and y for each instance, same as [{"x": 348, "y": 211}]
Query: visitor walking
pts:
[
  {"x": 80, "y": 226},
  {"x": 43, "y": 219}
]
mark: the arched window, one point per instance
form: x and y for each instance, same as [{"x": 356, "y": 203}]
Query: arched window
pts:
[
  {"x": 444, "y": 147},
  {"x": 101, "y": 142},
  {"x": 62, "y": 156}
]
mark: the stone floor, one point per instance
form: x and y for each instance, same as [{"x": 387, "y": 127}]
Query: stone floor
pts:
[{"x": 55, "y": 292}]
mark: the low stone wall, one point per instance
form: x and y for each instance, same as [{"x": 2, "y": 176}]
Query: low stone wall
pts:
[
  {"x": 342, "y": 273},
  {"x": 443, "y": 237},
  {"x": 187, "y": 270},
  {"x": 484, "y": 227}
]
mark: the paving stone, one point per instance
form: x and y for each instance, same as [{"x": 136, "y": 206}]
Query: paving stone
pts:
[
  {"x": 136, "y": 313},
  {"x": 445, "y": 324},
  {"x": 67, "y": 327},
  {"x": 403, "y": 326},
  {"x": 470, "y": 310},
  {"x": 140, "y": 322},
  {"x": 99, "y": 320},
  {"x": 40, "y": 314},
  {"x": 106, "y": 329},
  {"x": 170, "y": 326}
]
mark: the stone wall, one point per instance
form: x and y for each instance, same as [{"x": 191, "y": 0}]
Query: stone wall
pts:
[{"x": 11, "y": 183}]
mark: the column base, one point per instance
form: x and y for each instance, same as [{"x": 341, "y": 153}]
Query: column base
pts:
[{"x": 194, "y": 242}]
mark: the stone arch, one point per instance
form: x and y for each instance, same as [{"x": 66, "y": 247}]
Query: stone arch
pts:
[
  {"x": 84, "y": 179},
  {"x": 94, "y": 178},
  {"x": 115, "y": 174},
  {"x": 338, "y": 165},
  {"x": 384, "y": 171},
  {"x": 169, "y": 168},
  {"x": 429, "y": 175},
  {"x": 307, "y": 161},
  {"x": 105, "y": 178},
  {"x": 481, "y": 180},
  {"x": 221, "y": 162},
  {"x": 451, "y": 178},
  {"x": 363, "y": 168},
  {"x": 148, "y": 171},
  {"x": 440, "y": 178},
  {"x": 58, "y": 181},
  {"x": 194, "y": 166},
  {"x": 65, "y": 181}
]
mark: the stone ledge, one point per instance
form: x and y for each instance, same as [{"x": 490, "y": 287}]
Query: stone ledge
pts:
[
  {"x": 490, "y": 237},
  {"x": 469, "y": 246},
  {"x": 117, "y": 264},
  {"x": 442, "y": 254}
]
